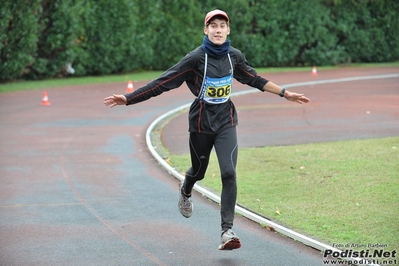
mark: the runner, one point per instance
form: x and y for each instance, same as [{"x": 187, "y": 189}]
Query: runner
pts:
[{"x": 208, "y": 71}]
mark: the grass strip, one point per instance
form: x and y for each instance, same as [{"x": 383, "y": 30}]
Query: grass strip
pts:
[
  {"x": 341, "y": 192},
  {"x": 142, "y": 76},
  {"x": 72, "y": 81}
]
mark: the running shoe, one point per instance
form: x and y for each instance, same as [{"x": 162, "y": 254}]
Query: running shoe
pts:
[
  {"x": 229, "y": 240},
  {"x": 185, "y": 203}
]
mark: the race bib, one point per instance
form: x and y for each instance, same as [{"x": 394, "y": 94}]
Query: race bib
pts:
[{"x": 217, "y": 90}]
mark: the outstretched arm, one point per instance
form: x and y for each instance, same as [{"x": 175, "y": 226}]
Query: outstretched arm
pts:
[
  {"x": 290, "y": 96},
  {"x": 114, "y": 100}
]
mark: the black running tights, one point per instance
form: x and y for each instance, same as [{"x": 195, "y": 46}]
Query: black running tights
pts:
[{"x": 225, "y": 143}]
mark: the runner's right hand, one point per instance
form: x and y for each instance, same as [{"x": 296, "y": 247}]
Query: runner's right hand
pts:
[{"x": 115, "y": 99}]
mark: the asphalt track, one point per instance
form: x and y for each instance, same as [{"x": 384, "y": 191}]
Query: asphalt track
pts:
[{"x": 79, "y": 187}]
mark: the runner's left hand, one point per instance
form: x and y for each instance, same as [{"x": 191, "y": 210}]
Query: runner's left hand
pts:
[{"x": 296, "y": 97}]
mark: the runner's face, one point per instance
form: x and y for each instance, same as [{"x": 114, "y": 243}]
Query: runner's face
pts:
[{"x": 217, "y": 31}]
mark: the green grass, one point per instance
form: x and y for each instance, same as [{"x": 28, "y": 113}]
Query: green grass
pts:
[
  {"x": 342, "y": 192},
  {"x": 71, "y": 81},
  {"x": 140, "y": 76}
]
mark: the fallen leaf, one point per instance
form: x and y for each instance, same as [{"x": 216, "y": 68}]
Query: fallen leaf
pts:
[{"x": 270, "y": 228}]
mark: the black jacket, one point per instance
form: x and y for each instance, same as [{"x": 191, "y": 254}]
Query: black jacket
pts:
[{"x": 203, "y": 117}]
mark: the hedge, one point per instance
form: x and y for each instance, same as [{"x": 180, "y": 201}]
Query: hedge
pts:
[{"x": 38, "y": 38}]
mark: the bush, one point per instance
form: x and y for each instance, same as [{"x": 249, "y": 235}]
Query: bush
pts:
[
  {"x": 368, "y": 30},
  {"x": 38, "y": 37},
  {"x": 56, "y": 46},
  {"x": 109, "y": 40},
  {"x": 178, "y": 30},
  {"x": 18, "y": 36},
  {"x": 294, "y": 33}
]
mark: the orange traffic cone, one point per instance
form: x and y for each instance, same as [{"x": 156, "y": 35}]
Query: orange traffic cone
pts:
[
  {"x": 314, "y": 71},
  {"x": 45, "y": 100},
  {"x": 130, "y": 87}
]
